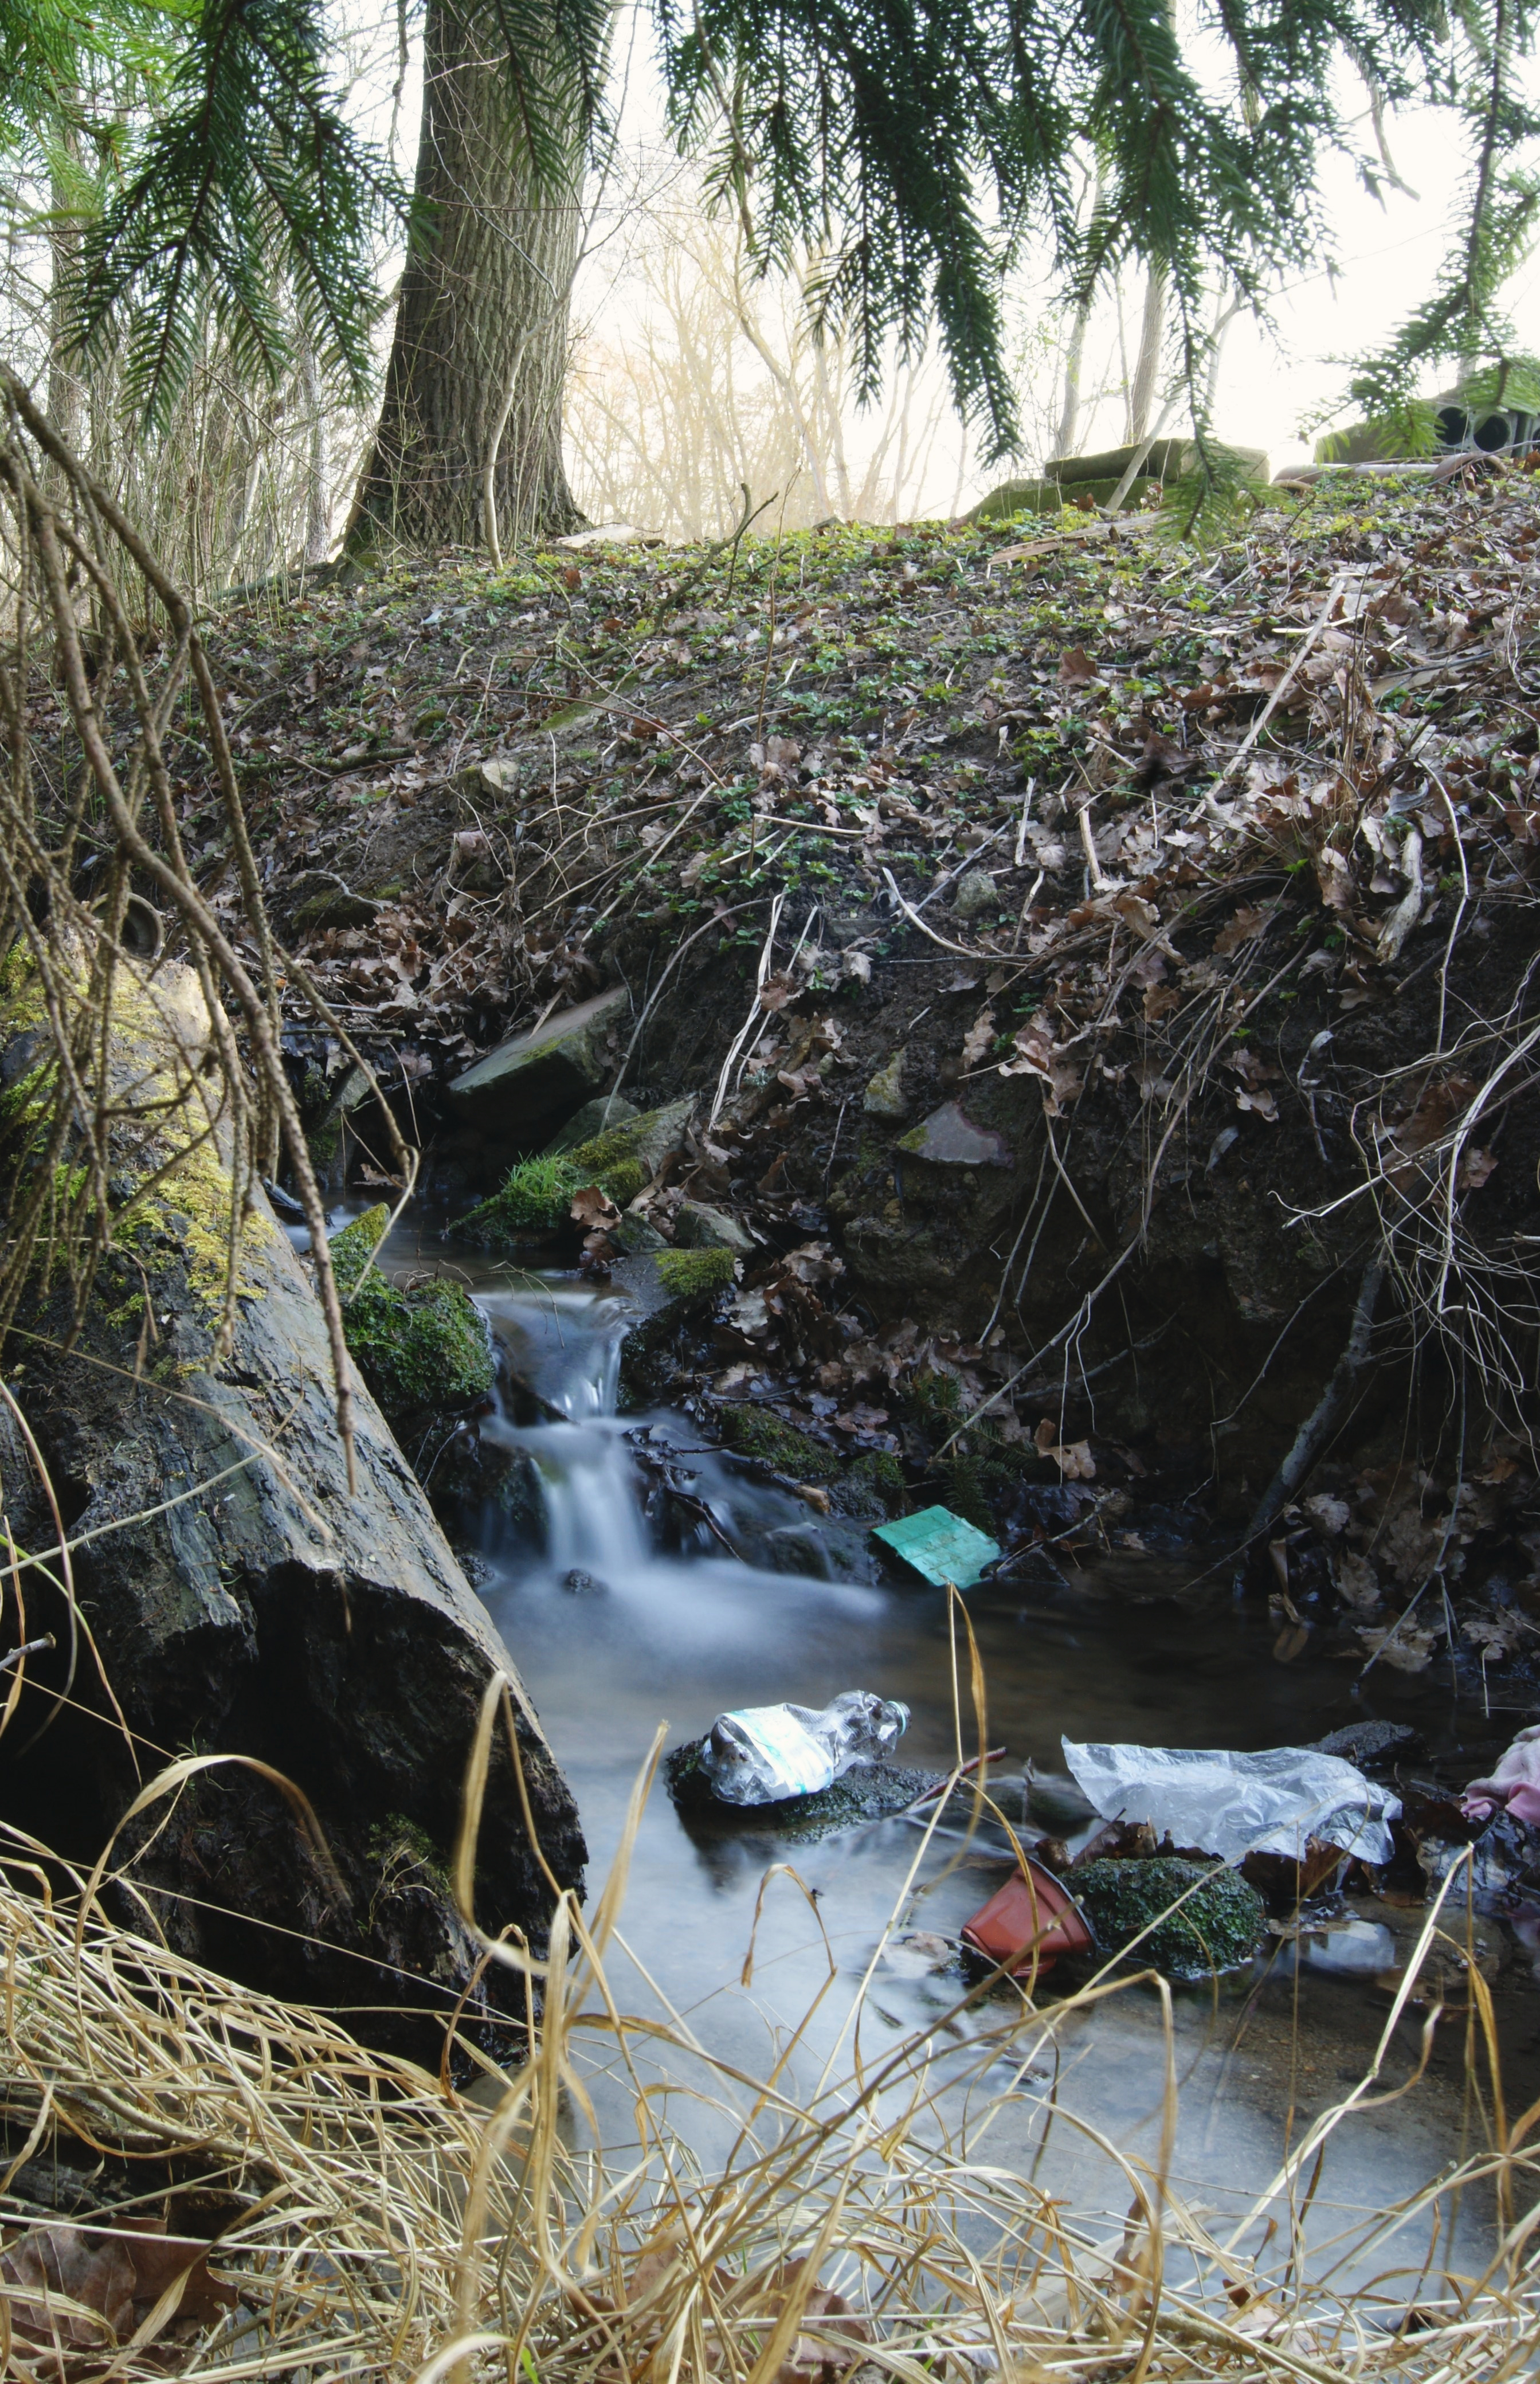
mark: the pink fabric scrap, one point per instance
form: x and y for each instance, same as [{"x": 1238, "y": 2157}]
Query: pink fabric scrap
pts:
[{"x": 1515, "y": 1784}]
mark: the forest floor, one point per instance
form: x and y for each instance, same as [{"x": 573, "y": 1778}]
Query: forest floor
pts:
[{"x": 1116, "y": 947}]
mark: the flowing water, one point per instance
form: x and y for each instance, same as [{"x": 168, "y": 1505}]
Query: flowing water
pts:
[{"x": 625, "y": 1608}]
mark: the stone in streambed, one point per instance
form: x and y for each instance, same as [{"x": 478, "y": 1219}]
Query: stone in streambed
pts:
[
  {"x": 697, "y": 1226},
  {"x": 552, "y": 1067},
  {"x": 1218, "y": 1925},
  {"x": 595, "y": 1117},
  {"x": 867, "y": 1792},
  {"x": 423, "y": 1351}
]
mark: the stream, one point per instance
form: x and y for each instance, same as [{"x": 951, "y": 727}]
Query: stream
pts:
[{"x": 621, "y": 1616}]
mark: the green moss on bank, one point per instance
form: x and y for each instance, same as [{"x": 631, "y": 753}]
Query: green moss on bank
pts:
[
  {"x": 537, "y": 1195},
  {"x": 420, "y": 1349}
]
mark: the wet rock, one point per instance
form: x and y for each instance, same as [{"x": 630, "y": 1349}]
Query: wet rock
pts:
[
  {"x": 636, "y": 1237},
  {"x": 950, "y": 1138},
  {"x": 1374, "y": 1746},
  {"x": 697, "y": 1226},
  {"x": 579, "y": 1584},
  {"x": 642, "y": 1141},
  {"x": 595, "y": 1117},
  {"x": 424, "y": 1351},
  {"x": 554, "y": 1066},
  {"x": 867, "y": 1792},
  {"x": 278, "y": 1613},
  {"x": 976, "y": 893},
  {"x": 885, "y": 1095}
]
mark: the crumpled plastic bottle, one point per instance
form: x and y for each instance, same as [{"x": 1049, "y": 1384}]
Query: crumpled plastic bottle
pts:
[{"x": 761, "y": 1753}]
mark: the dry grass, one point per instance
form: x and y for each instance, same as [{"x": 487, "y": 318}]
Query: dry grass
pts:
[{"x": 379, "y": 2222}]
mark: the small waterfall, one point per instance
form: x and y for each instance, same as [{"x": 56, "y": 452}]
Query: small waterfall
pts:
[{"x": 635, "y": 1506}]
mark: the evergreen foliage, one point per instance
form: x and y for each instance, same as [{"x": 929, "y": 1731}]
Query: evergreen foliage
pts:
[{"x": 917, "y": 148}]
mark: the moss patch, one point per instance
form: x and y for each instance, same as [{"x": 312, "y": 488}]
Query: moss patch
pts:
[
  {"x": 753, "y": 1431},
  {"x": 686, "y": 1273},
  {"x": 1219, "y": 1925},
  {"x": 537, "y": 1194},
  {"x": 418, "y": 1350}
]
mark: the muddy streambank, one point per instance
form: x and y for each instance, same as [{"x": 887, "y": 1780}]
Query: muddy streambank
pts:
[{"x": 1086, "y": 1306}]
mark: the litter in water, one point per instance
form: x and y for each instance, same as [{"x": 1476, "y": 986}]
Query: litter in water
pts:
[
  {"x": 939, "y": 1546},
  {"x": 1028, "y": 1924},
  {"x": 1515, "y": 1784},
  {"x": 1273, "y": 1802},
  {"x": 762, "y": 1753}
]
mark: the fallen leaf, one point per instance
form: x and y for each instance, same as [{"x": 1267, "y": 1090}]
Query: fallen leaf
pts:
[
  {"x": 1475, "y": 1167},
  {"x": 1404, "y": 1651},
  {"x": 979, "y": 1036},
  {"x": 1077, "y": 668},
  {"x": 592, "y": 1209},
  {"x": 1242, "y": 927},
  {"x": 1263, "y": 1104},
  {"x": 1160, "y": 1001},
  {"x": 1072, "y": 1458}
]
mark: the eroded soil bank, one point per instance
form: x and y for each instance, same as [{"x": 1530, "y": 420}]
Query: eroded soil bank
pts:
[{"x": 1099, "y": 973}]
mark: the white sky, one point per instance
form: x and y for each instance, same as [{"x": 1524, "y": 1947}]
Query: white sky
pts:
[{"x": 1270, "y": 380}]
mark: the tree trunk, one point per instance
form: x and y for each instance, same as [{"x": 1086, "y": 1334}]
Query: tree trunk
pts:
[
  {"x": 1141, "y": 397},
  {"x": 479, "y": 357}
]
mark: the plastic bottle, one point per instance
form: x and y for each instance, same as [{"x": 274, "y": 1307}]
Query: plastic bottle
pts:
[{"x": 763, "y": 1752}]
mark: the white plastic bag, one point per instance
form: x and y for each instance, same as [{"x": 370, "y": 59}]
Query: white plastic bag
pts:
[{"x": 1235, "y": 1805}]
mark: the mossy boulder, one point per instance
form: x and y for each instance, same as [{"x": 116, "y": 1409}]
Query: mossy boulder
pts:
[
  {"x": 537, "y": 1194},
  {"x": 422, "y": 1350},
  {"x": 643, "y": 1143},
  {"x": 1219, "y": 1926}
]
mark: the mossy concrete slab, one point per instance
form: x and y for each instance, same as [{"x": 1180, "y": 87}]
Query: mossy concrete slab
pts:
[{"x": 554, "y": 1066}]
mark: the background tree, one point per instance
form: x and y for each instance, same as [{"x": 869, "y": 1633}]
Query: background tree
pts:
[{"x": 917, "y": 149}]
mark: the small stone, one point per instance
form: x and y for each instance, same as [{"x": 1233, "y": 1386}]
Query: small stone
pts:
[
  {"x": 498, "y": 778},
  {"x": 697, "y": 1226},
  {"x": 635, "y": 1236},
  {"x": 950, "y": 1138},
  {"x": 579, "y": 1584},
  {"x": 975, "y": 894},
  {"x": 885, "y": 1095}
]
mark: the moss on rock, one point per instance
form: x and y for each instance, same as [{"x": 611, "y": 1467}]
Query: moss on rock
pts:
[
  {"x": 754, "y": 1432},
  {"x": 684, "y": 1274},
  {"x": 419, "y": 1350},
  {"x": 1218, "y": 1925},
  {"x": 537, "y": 1194}
]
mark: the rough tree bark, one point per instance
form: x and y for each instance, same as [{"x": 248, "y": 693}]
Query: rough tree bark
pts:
[{"x": 478, "y": 356}]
